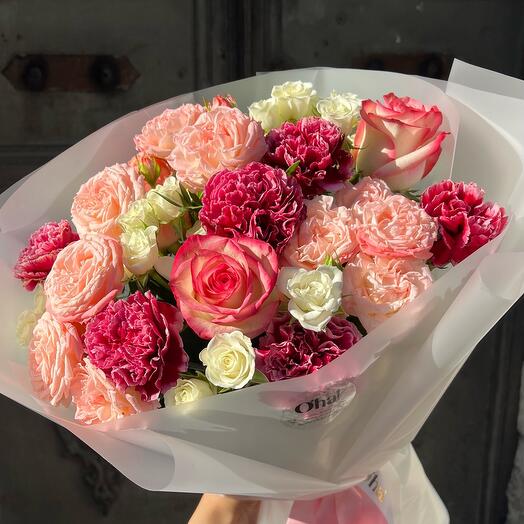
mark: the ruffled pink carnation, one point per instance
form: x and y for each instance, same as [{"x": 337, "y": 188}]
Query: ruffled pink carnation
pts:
[
  {"x": 327, "y": 231},
  {"x": 317, "y": 145},
  {"x": 136, "y": 342},
  {"x": 158, "y": 136},
  {"x": 36, "y": 260},
  {"x": 288, "y": 350},
  {"x": 465, "y": 221},
  {"x": 357, "y": 196},
  {"x": 375, "y": 288},
  {"x": 396, "y": 227},
  {"x": 257, "y": 201},
  {"x": 221, "y": 138},
  {"x": 54, "y": 351},
  {"x": 98, "y": 400}
]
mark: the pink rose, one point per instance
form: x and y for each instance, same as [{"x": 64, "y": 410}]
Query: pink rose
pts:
[
  {"x": 158, "y": 136},
  {"x": 465, "y": 221},
  {"x": 327, "y": 231},
  {"x": 223, "y": 100},
  {"x": 98, "y": 400},
  {"x": 396, "y": 228},
  {"x": 86, "y": 276},
  {"x": 54, "y": 351},
  {"x": 137, "y": 343},
  {"x": 357, "y": 196},
  {"x": 222, "y": 138},
  {"x": 104, "y": 197},
  {"x": 375, "y": 288},
  {"x": 288, "y": 350},
  {"x": 397, "y": 140},
  {"x": 224, "y": 284},
  {"x": 36, "y": 260},
  {"x": 155, "y": 170}
]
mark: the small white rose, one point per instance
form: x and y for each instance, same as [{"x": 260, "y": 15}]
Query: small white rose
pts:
[
  {"x": 39, "y": 300},
  {"x": 139, "y": 215},
  {"x": 341, "y": 109},
  {"x": 166, "y": 200},
  {"x": 229, "y": 359},
  {"x": 24, "y": 326},
  {"x": 187, "y": 390},
  {"x": 140, "y": 249},
  {"x": 314, "y": 296},
  {"x": 268, "y": 113},
  {"x": 296, "y": 99}
]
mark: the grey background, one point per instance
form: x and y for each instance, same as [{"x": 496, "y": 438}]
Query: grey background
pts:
[{"x": 468, "y": 443}]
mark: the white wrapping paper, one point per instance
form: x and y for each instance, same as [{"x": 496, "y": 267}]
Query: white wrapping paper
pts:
[{"x": 324, "y": 432}]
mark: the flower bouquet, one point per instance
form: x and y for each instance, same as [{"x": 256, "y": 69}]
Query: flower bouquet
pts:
[{"x": 262, "y": 287}]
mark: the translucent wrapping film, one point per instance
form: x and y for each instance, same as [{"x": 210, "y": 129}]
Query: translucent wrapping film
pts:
[{"x": 323, "y": 432}]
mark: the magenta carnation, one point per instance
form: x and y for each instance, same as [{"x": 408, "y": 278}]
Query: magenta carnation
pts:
[
  {"x": 36, "y": 260},
  {"x": 317, "y": 145},
  {"x": 465, "y": 221},
  {"x": 136, "y": 342},
  {"x": 288, "y": 350},
  {"x": 257, "y": 201}
]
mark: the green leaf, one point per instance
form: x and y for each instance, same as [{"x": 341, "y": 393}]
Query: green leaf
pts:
[
  {"x": 259, "y": 378},
  {"x": 292, "y": 168}
]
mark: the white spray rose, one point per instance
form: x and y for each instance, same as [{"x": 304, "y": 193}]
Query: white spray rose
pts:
[
  {"x": 296, "y": 99},
  {"x": 166, "y": 200},
  {"x": 140, "y": 249},
  {"x": 187, "y": 390},
  {"x": 27, "y": 320},
  {"x": 289, "y": 101},
  {"x": 268, "y": 113},
  {"x": 139, "y": 215},
  {"x": 342, "y": 109},
  {"x": 314, "y": 296},
  {"x": 229, "y": 359}
]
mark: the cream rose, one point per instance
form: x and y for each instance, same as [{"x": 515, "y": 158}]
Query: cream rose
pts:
[
  {"x": 27, "y": 319},
  {"x": 314, "y": 296},
  {"x": 342, "y": 109},
  {"x": 267, "y": 112},
  {"x": 187, "y": 390},
  {"x": 139, "y": 215},
  {"x": 166, "y": 200},
  {"x": 229, "y": 359},
  {"x": 140, "y": 249}
]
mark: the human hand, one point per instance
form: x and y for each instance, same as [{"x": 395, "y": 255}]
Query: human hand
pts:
[{"x": 223, "y": 509}]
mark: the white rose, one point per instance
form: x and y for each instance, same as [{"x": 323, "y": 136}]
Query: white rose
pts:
[
  {"x": 166, "y": 200},
  {"x": 24, "y": 326},
  {"x": 314, "y": 296},
  {"x": 39, "y": 300},
  {"x": 140, "y": 249},
  {"x": 342, "y": 109},
  {"x": 295, "y": 99},
  {"x": 187, "y": 390},
  {"x": 268, "y": 113},
  {"x": 229, "y": 359},
  {"x": 139, "y": 215}
]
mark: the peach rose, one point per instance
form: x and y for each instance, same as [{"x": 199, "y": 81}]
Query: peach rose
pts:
[
  {"x": 158, "y": 135},
  {"x": 358, "y": 195},
  {"x": 104, "y": 197},
  {"x": 396, "y": 228},
  {"x": 376, "y": 288},
  {"x": 224, "y": 284},
  {"x": 54, "y": 351},
  {"x": 98, "y": 400},
  {"x": 327, "y": 231},
  {"x": 397, "y": 140},
  {"x": 85, "y": 277},
  {"x": 155, "y": 170},
  {"x": 222, "y": 138}
]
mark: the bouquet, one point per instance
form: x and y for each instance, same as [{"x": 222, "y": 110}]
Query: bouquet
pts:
[{"x": 185, "y": 285}]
